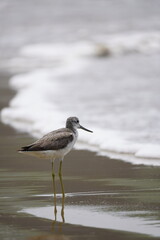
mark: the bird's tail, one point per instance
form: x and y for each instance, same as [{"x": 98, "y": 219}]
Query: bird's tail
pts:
[{"x": 25, "y": 148}]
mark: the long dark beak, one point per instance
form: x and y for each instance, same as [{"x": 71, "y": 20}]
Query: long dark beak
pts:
[{"x": 85, "y": 129}]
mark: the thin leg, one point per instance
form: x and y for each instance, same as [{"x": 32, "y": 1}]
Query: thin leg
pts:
[
  {"x": 61, "y": 181},
  {"x": 60, "y": 168},
  {"x": 54, "y": 191},
  {"x": 63, "y": 192}
]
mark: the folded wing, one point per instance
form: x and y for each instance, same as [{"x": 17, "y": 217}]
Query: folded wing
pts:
[{"x": 55, "y": 140}]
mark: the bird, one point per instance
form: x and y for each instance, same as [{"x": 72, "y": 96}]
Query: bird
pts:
[{"x": 56, "y": 144}]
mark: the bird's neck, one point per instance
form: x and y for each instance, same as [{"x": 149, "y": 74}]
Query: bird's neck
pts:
[{"x": 70, "y": 126}]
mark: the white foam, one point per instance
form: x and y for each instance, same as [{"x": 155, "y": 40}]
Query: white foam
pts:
[
  {"x": 145, "y": 42},
  {"x": 54, "y": 55},
  {"x": 59, "y": 50},
  {"x": 36, "y": 109},
  {"x": 114, "y": 145},
  {"x": 31, "y": 100},
  {"x": 142, "y": 42}
]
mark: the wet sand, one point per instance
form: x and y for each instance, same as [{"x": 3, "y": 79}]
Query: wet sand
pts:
[{"x": 105, "y": 199}]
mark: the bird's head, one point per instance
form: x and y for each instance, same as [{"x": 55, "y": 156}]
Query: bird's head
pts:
[{"x": 73, "y": 123}]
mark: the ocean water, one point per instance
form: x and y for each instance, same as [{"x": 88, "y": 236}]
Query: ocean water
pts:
[{"x": 102, "y": 68}]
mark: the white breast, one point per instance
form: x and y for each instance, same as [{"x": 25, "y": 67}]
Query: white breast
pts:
[{"x": 69, "y": 147}]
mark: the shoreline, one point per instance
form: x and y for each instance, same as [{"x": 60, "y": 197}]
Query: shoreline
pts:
[
  {"x": 137, "y": 153},
  {"x": 24, "y": 178}
]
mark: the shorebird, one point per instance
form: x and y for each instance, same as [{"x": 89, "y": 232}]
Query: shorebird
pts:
[{"x": 56, "y": 144}]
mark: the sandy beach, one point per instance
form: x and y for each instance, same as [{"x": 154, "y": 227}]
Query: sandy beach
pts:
[{"x": 105, "y": 198}]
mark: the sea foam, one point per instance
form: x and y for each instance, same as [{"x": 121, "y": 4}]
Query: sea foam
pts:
[{"x": 36, "y": 108}]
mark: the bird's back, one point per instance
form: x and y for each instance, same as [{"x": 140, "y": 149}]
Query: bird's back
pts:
[{"x": 54, "y": 140}]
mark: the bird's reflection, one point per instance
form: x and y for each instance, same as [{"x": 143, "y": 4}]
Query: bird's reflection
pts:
[{"x": 55, "y": 197}]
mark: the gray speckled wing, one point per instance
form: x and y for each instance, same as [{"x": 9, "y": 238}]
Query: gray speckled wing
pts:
[{"x": 54, "y": 140}]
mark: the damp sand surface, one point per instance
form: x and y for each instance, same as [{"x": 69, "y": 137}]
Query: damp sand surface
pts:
[{"x": 105, "y": 198}]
